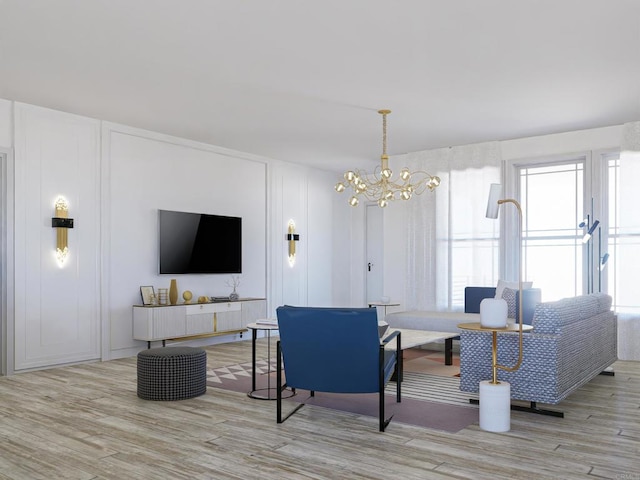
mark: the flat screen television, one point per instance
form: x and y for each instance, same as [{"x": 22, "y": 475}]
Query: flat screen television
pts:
[{"x": 199, "y": 243}]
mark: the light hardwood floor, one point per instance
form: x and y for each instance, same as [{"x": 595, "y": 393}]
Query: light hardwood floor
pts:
[{"x": 86, "y": 422}]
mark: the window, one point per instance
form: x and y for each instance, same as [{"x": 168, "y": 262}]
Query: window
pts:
[
  {"x": 551, "y": 197},
  {"x": 559, "y": 195},
  {"x": 619, "y": 276}
]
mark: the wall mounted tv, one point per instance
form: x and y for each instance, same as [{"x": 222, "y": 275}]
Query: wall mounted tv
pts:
[{"x": 199, "y": 243}]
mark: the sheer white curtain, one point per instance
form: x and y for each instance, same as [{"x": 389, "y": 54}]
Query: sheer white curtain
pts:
[
  {"x": 450, "y": 243},
  {"x": 628, "y": 261},
  {"x": 628, "y": 252}
]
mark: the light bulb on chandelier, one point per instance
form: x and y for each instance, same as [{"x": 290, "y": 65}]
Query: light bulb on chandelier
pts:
[{"x": 380, "y": 186}]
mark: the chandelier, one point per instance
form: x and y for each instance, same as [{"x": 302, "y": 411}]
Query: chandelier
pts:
[{"x": 380, "y": 186}]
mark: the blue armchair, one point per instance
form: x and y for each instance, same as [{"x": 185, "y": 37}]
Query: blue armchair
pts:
[{"x": 335, "y": 350}]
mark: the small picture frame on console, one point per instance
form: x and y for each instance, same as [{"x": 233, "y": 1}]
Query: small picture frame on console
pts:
[{"x": 147, "y": 293}]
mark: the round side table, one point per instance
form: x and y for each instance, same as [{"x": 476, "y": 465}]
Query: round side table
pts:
[
  {"x": 263, "y": 393},
  {"x": 495, "y": 396}
]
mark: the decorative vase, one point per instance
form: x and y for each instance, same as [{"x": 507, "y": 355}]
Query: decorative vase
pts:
[
  {"x": 173, "y": 292},
  {"x": 234, "y": 295},
  {"x": 187, "y": 296}
]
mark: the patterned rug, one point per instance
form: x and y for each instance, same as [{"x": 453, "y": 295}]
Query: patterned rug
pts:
[{"x": 429, "y": 400}]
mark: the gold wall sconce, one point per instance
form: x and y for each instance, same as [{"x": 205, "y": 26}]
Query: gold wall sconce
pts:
[
  {"x": 292, "y": 237},
  {"x": 62, "y": 223}
]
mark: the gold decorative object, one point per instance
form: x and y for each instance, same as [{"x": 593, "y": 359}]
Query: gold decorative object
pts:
[
  {"x": 235, "y": 283},
  {"x": 163, "y": 296},
  {"x": 380, "y": 186},
  {"x": 187, "y": 296},
  {"x": 173, "y": 292},
  {"x": 292, "y": 237},
  {"x": 203, "y": 299},
  {"x": 62, "y": 223}
]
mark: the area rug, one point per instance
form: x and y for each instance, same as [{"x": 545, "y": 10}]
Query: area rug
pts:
[
  {"x": 428, "y": 400},
  {"x": 430, "y": 361}
]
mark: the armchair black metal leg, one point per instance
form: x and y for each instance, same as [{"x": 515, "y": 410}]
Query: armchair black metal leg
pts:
[
  {"x": 399, "y": 384},
  {"x": 400, "y": 367},
  {"x": 278, "y": 382},
  {"x": 280, "y": 387},
  {"x": 383, "y": 422}
]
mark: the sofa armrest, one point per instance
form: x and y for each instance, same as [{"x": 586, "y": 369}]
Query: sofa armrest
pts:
[{"x": 531, "y": 297}]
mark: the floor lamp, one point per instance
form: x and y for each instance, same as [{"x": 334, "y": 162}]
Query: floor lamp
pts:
[
  {"x": 587, "y": 240},
  {"x": 495, "y": 396}
]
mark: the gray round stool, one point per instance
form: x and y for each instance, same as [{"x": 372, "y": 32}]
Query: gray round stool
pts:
[{"x": 172, "y": 373}]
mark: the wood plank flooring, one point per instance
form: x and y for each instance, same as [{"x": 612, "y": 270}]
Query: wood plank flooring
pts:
[{"x": 86, "y": 422}]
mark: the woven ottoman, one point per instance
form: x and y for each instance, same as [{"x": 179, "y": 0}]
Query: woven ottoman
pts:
[{"x": 172, "y": 373}]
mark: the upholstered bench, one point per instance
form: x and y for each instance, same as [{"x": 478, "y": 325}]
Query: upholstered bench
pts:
[{"x": 172, "y": 373}]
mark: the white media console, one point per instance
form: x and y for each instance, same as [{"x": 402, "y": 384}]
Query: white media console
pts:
[{"x": 166, "y": 322}]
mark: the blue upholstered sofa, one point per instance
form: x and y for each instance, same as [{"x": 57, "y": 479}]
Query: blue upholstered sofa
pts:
[{"x": 572, "y": 341}]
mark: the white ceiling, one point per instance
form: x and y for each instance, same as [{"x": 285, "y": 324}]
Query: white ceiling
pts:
[{"x": 302, "y": 80}]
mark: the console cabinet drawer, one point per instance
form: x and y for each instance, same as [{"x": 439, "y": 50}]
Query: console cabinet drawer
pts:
[{"x": 213, "y": 308}]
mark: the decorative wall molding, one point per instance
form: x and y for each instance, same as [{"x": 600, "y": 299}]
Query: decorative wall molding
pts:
[{"x": 57, "y": 311}]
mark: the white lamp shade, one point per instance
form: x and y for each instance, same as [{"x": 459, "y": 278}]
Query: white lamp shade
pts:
[
  {"x": 495, "y": 194},
  {"x": 493, "y": 313}
]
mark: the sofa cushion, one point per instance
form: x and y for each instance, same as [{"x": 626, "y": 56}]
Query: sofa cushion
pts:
[
  {"x": 514, "y": 285},
  {"x": 551, "y": 317},
  {"x": 509, "y": 295},
  {"x": 432, "y": 321}
]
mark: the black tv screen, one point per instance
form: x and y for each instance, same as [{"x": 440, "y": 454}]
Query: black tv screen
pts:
[{"x": 199, "y": 243}]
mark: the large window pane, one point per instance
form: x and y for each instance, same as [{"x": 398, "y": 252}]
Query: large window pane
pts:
[
  {"x": 623, "y": 247},
  {"x": 552, "y": 200}
]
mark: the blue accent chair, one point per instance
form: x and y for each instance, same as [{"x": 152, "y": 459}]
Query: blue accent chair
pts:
[{"x": 335, "y": 350}]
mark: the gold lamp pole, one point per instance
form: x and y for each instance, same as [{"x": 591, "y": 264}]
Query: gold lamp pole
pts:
[
  {"x": 492, "y": 212},
  {"x": 520, "y": 302}
]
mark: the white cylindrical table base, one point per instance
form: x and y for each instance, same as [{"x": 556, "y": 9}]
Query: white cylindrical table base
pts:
[{"x": 495, "y": 406}]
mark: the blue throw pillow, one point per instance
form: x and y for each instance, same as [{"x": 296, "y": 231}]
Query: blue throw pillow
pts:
[{"x": 509, "y": 295}]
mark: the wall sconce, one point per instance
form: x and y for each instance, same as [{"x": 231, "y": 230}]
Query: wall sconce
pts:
[
  {"x": 292, "y": 238},
  {"x": 62, "y": 223}
]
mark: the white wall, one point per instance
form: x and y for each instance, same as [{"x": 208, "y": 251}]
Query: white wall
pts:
[
  {"x": 306, "y": 196},
  {"x": 116, "y": 178},
  {"x": 144, "y": 172},
  {"x": 6, "y": 123},
  {"x": 56, "y": 309},
  {"x": 580, "y": 141}
]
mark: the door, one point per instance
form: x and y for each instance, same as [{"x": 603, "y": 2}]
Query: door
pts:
[{"x": 374, "y": 253}]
